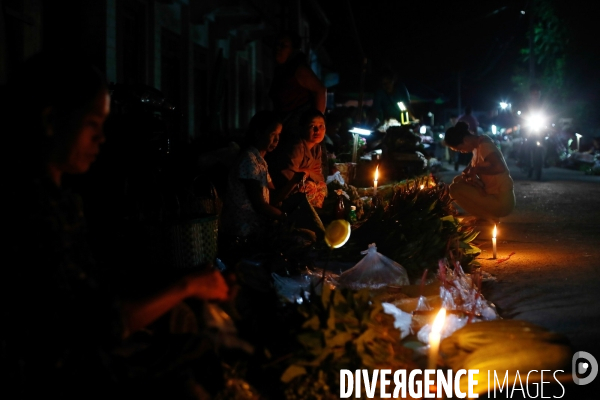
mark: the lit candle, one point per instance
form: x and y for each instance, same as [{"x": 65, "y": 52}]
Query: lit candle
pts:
[
  {"x": 375, "y": 181},
  {"x": 434, "y": 338},
  {"x": 494, "y": 241}
]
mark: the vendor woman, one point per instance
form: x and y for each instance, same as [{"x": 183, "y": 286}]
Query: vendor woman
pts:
[
  {"x": 248, "y": 212},
  {"x": 303, "y": 156},
  {"x": 485, "y": 187}
]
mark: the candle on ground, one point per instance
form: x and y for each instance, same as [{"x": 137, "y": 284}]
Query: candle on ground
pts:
[
  {"x": 494, "y": 241},
  {"x": 434, "y": 338}
]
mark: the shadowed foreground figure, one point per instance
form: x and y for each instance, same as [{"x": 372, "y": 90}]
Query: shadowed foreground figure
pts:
[{"x": 65, "y": 333}]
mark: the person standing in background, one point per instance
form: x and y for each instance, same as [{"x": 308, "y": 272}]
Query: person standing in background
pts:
[
  {"x": 451, "y": 155},
  {"x": 295, "y": 87},
  {"x": 387, "y": 97},
  {"x": 470, "y": 119}
]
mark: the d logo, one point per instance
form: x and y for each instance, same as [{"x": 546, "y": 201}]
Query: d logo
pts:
[{"x": 590, "y": 364}]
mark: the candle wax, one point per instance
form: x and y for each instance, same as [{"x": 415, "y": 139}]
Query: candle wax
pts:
[{"x": 434, "y": 347}]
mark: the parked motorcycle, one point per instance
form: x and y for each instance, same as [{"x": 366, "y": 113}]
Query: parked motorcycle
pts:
[{"x": 535, "y": 136}]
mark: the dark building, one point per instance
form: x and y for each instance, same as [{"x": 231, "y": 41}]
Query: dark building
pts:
[{"x": 212, "y": 59}]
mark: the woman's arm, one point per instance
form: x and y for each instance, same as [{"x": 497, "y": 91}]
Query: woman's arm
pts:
[
  {"x": 307, "y": 78},
  {"x": 205, "y": 286},
  {"x": 255, "y": 194},
  {"x": 493, "y": 166}
]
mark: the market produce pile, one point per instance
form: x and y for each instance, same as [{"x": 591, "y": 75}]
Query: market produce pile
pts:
[{"x": 404, "y": 261}]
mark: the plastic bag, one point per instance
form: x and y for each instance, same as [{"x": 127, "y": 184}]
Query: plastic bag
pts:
[
  {"x": 337, "y": 176},
  {"x": 402, "y": 320},
  {"x": 451, "y": 325},
  {"x": 296, "y": 288},
  {"x": 221, "y": 328},
  {"x": 461, "y": 292},
  {"x": 374, "y": 271}
]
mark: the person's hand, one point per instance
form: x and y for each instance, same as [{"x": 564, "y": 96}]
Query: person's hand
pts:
[
  {"x": 471, "y": 173},
  {"x": 208, "y": 285},
  {"x": 476, "y": 183}
]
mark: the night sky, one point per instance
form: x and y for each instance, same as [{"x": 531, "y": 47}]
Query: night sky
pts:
[{"x": 431, "y": 43}]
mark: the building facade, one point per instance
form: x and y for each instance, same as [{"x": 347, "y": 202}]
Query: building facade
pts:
[{"x": 212, "y": 59}]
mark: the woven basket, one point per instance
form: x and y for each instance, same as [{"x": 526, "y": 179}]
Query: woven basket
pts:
[{"x": 194, "y": 242}]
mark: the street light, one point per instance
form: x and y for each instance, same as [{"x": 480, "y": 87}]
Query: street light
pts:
[
  {"x": 404, "y": 118},
  {"x": 355, "y": 132},
  {"x": 578, "y": 137}
]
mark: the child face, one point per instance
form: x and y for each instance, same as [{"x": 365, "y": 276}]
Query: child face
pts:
[{"x": 315, "y": 130}]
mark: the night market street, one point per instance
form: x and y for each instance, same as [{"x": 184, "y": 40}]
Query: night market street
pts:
[
  {"x": 258, "y": 199},
  {"x": 553, "y": 277}
]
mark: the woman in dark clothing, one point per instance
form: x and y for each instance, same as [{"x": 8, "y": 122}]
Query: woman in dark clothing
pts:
[{"x": 61, "y": 321}]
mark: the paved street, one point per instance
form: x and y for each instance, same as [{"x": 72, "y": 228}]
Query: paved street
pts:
[{"x": 553, "y": 277}]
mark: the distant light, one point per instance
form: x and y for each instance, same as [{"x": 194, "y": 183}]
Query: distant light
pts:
[
  {"x": 518, "y": 112},
  {"x": 503, "y": 105},
  {"x": 429, "y": 114},
  {"x": 360, "y": 131},
  {"x": 494, "y": 129},
  {"x": 441, "y": 135},
  {"x": 578, "y": 135},
  {"x": 402, "y": 106},
  {"x": 522, "y": 12},
  {"x": 423, "y": 130}
]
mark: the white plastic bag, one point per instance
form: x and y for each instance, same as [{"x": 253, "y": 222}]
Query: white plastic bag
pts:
[
  {"x": 402, "y": 320},
  {"x": 337, "y": 177},
  {"x": 374, "y": 271}
]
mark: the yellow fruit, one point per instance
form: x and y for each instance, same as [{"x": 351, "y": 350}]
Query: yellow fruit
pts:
[
  {"x": 337, "y": 233},
  {"x": 520, "y": 354}
]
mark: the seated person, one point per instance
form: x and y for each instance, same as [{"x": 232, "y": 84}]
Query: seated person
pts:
[
  {"x": 590, "y": 155},
  {"x": 485, "y": 187},
  {"x": 247, "y": 210},
  {"x": 62, "y": 322},
  {"x": 303, "y": 158}
]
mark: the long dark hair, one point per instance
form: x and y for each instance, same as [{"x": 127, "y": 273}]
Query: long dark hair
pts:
[{"x": 49, "y": 88}]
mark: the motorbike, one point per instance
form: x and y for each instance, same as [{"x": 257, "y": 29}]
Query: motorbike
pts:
[{"x": 535, "y": 142}]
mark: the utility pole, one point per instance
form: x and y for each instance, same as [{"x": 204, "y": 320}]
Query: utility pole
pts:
[
  {"x": 363, "y": 69},
  {"x": 532, "y": 43},
  {"x": 459, "y": 106}
]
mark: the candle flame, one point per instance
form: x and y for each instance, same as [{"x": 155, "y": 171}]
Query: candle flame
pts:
[
  {"x": 494, "y": 232},
  {"x": 377, "y": 173},
  {"x": 438, "y": 323}
]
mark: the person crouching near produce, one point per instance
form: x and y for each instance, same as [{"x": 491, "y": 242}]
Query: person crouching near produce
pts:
[
  {"x": 485, "y": 187},
  {"x": 247, "y": 211}
]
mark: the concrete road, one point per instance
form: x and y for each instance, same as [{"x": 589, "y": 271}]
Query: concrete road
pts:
[{"x": 553, "y": 277}]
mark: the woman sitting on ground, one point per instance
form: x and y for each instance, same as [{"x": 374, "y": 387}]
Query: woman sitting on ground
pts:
[
  {"x": 247, "y": 211},
  {"x": 304, "y": 156},
  {"x": 485, "y": 187}
]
